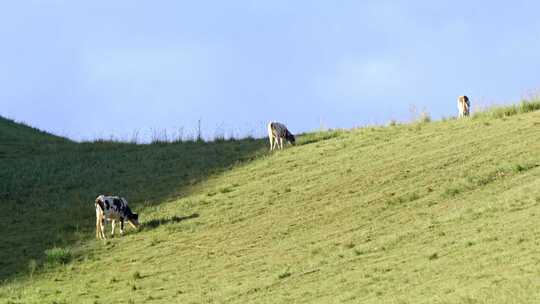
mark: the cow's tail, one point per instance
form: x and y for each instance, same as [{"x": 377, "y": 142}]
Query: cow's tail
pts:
[
  {"x": 271, "y": 134},
  {"x": 99, "y": 204},
  {"x": 100, "y": 209}
]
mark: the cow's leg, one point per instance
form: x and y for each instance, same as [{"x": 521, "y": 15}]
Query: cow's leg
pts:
[
  {"x": 98, "y": 233},
  {"x": 102, "y": 228},
  {"x": 281, "y": 143},
  {"x": 462, "y": 109},
  {"x": 113, "y": 224},
  {"x": 98, "y": 222},
  {"x": 121, "y": 226}
]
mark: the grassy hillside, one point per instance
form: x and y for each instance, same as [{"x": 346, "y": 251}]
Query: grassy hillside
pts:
[
  {"x": 440, "y": 212},
  {"x": 20, "y": 140},
  {"x": 18, "y": 133}
]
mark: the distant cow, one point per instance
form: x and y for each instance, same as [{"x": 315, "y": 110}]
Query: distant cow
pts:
[
  {"x": 276, "y": 133},
  {"x": 464, "y": 106},
  {"x": 113, "y": 208}
]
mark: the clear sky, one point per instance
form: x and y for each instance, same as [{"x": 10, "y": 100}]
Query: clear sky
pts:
[{"x": 88, "y": 69}]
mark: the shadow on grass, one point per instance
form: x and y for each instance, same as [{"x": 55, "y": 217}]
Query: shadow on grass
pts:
[
  {"x": 309, "y": 138},
  {"x": 50, "y": 189},
  {"x": 152, "y": 224}
]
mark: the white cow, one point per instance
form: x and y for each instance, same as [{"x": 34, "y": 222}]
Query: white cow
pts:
[{"x": 276, "y": 133}]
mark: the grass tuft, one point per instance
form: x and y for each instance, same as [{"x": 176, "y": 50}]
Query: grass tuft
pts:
[
  {"x": 56, "y": 256},
  {"x": 137, "y": 275},
  {"x": 284, "y": 275},
  {"x": 32, "y": 267}
]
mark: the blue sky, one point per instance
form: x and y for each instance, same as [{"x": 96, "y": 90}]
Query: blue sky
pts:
[{"x": 88, "y": 69}]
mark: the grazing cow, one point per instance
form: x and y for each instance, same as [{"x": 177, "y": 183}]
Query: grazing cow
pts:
[
  {"x": 113, "y": 208},
  {"x": 464, "y": 106},
  {"x": 276, "y": 133}
]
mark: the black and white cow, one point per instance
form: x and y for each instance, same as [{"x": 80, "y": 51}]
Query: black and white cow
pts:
[
  {"x": 276, "y": 133},
  {"x": 113, "y": 208}
]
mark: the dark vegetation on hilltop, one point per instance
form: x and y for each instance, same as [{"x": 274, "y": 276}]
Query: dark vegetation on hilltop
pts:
[{"x": 19, "y": 133}]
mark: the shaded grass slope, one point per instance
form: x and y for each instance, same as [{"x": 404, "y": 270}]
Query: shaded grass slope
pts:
[
  {"x": 18, "y": 139},
  {"x": 15, "y": 132},
  {"x": 440, "y": 212},
  {"x": 48, "y": 185}
]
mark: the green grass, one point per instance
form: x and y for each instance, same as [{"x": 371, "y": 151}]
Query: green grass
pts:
[
  {"x": 56, "y": 256},
  {"x": 524, "y": 106},
  {"x": 431, "y": 212}
]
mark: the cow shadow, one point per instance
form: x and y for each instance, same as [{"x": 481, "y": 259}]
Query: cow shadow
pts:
[{"x": 155, "y": 223}]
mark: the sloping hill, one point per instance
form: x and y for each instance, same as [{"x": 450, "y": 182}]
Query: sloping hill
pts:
[
  {"x": 20, "y": 140},
  {"x": 12, "y": 132},
  {"x": 47, "y": 189},
  {"x": 441, "y": 212}
]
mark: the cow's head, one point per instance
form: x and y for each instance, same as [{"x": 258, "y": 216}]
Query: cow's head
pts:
[
  {"x": 133, "y": 220},
  {"x": 290, "y": 138}
]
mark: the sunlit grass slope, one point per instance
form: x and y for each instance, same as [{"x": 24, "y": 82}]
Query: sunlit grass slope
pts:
[{"x": 440, "y": 212}]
